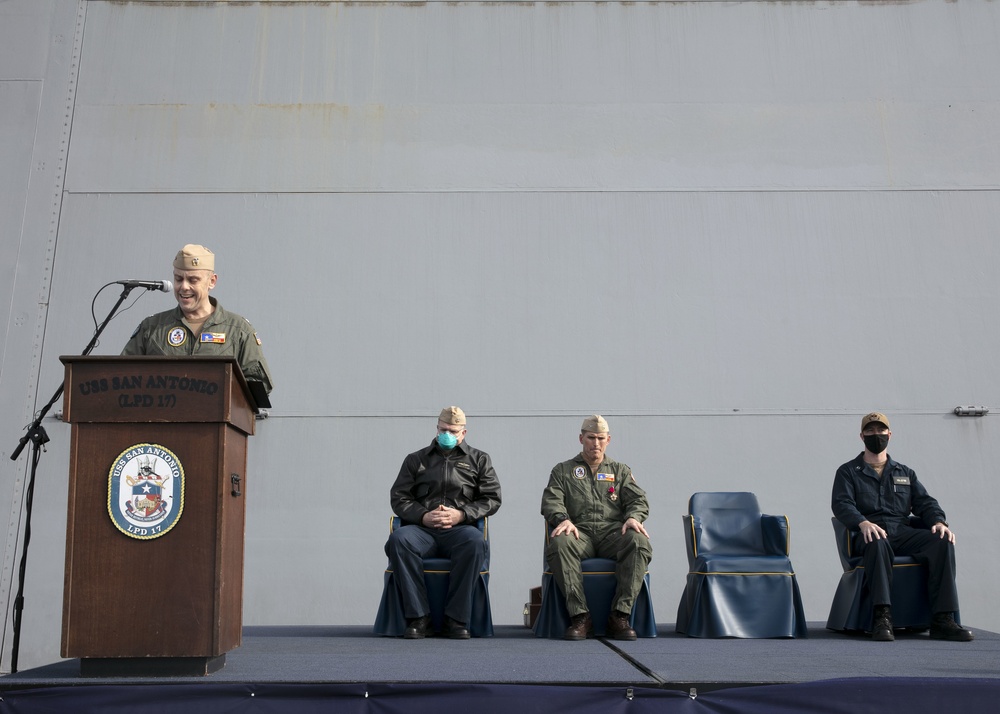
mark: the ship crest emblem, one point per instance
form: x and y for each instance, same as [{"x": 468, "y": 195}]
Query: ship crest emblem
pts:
[{"x": 146, "y": 491}]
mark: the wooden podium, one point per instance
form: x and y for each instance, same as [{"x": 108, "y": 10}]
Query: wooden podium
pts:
[{"x": 154, "y": 538}]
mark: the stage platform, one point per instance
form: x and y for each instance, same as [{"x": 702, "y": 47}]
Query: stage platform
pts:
[{"x": 299, "y": 669}]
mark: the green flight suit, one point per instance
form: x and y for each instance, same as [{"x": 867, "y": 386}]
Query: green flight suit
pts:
[
  {"x": 598, "y": 504},
  {"x": 223, "y": 333}
]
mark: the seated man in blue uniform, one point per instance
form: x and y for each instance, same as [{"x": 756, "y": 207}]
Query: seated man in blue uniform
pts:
[
  {"x": 439, "y": 494},
  {"x": 873, "y": 496}
]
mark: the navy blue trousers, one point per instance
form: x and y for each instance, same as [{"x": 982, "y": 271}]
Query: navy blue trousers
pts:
[
  {"x": 464, "y": 545},
  {"x": 924, "y": 547}
]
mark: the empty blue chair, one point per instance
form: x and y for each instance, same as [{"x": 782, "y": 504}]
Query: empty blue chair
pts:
[
  {"x": 390, "y": 620},
  {"x": 740, "y": 580}
]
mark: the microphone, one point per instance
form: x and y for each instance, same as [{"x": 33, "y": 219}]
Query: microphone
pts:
[{"x": 164, "y": 285}]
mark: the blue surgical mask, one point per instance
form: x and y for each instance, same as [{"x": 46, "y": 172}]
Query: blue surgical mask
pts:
[{"x": 447, "y": 440}]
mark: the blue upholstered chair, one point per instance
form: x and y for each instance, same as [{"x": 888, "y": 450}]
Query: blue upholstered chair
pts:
[
  {"x": 852, "y": 608},
  {"x": 599, "y": 584},
  {"x": 740, "y": 581},
  {"x": 390, "y": 620}
]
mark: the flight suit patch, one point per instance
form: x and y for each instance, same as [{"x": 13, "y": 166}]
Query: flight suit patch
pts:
[
  {"x": 218, "y": 338},
  {"x": 177, "y": 337}
]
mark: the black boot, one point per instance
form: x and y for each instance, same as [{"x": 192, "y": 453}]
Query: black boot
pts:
[
  {"x": 418, "y": 628},
  {"x": 944, "y": 627},
  {"x": 455, "y": 630},
  {"x": 882, "y": 628}
]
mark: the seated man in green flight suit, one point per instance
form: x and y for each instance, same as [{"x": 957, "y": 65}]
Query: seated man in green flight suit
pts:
[{"x": 595, "y": 509}]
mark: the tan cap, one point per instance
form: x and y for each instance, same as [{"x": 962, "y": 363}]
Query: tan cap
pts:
[
  {"x": 453, "y": 416},
  {"x": 195, "y": 257},
  {"x": 874, "y": 417},
  {"x": 595, "y": 424}
]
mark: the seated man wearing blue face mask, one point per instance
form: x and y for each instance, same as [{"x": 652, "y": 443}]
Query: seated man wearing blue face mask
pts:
[
  {"x": 439, "y": 494},
  {"x": 874, "y": 496}
]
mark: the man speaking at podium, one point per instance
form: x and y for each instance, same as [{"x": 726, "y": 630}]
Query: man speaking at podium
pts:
[{"x": 199, "y": 325}]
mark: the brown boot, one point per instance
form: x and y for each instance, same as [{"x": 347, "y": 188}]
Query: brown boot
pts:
[
  {"x": 618, "y": 626},
  {"x": 580, "y": 627}
]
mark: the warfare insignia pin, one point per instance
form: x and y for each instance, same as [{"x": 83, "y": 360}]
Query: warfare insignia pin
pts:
[{"x": 146, "y": 491}]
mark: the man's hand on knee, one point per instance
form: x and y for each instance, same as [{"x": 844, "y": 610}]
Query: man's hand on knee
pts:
[
  {"x": 633, "y": 524},
  {"x": 943, "y": 531},
  {"x": 566, "y": 528},
  {"x": 871, "y": 531}
]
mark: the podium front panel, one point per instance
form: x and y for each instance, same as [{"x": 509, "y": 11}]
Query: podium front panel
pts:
[
  {"x": 176, "y": 595},
  {"x": 155, "y": 509}
]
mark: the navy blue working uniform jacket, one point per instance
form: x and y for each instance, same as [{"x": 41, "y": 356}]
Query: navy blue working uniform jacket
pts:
[{"x": 860, "y": 495}]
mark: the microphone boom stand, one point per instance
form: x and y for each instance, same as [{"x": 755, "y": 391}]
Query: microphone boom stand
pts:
[{"x": 38, "y": 438}]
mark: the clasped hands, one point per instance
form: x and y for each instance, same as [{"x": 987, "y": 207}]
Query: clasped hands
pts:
[{"x": 443, "y": 517}]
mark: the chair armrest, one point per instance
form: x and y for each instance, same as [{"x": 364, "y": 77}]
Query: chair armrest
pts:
[
  {"x": 843, "y": 539},
  {"x": 774, "y": 531},
  {"x": 692, "y": 536}
]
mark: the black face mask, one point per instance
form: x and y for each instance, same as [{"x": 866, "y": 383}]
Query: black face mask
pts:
[{"x": 876, "y": 443}]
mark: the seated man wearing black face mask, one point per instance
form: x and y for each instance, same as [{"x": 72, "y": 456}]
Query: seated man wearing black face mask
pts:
[{"x": 874, "y": 496}]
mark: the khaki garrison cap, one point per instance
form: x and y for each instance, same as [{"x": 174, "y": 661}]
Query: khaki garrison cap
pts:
[
  {"x": 195, "y": 257},
  {"x": 595, "y": 424},
  {"x": 453, "y": 416}
]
